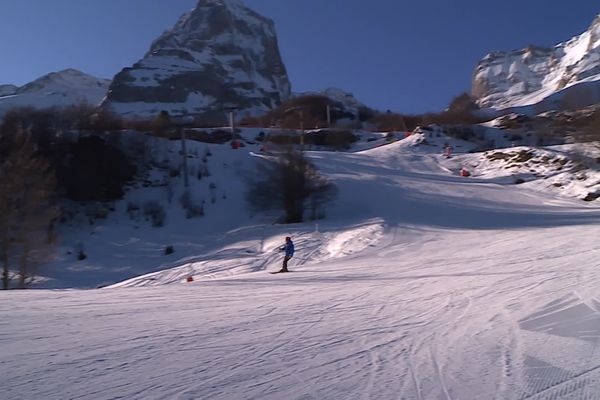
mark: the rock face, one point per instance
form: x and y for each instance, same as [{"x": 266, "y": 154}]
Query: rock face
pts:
[
  {"x": 57, "y": 89},
  {"x": 565, "y": 76},
  {"x": 220, "y": 55}
]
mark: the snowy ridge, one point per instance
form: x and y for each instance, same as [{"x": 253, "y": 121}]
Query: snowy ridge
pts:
[
  {"x": 529, "y": 76},
  {"x": 8, "y": 90},
  {"x": 57, "y": 89}
]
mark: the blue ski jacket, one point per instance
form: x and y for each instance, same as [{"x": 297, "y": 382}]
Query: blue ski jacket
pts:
[{"x": 289, "y": 249}]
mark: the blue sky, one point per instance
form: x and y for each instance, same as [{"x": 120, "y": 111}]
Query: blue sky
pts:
[{"x": 407, "y": 56}]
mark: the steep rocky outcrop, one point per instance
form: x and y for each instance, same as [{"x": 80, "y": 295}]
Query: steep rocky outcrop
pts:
[
  {"x": 221, "y": 55},
  {"x": 562, "y": 77}
]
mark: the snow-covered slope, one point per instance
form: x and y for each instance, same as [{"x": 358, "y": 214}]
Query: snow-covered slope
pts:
[
  {"x": 57, "y": 89},
  {"x": 569, "y": 73},
  {"x": 421, "y": 284},
  {"x": 219, "y": 55},
  {"x": 125, "y": 245},
  {"x": 566, "y": 170}
]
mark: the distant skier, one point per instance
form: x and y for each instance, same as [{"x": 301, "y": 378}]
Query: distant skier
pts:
[
  {"x": 448, "y": 151},
  {"x": 289, "y": 253}
]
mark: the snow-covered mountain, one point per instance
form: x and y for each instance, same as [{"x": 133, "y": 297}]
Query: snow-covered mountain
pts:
[
  {"x": 8, "y": 90},
  {"x": 57, "y": 89},
  {"x": 220, "y": 55},
  {"x": 566, "y": 76}
]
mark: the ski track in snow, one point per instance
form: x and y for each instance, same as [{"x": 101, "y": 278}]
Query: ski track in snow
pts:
[{"x": 438, "y": 288}]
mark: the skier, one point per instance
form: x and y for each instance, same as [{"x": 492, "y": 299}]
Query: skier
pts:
[
  {"x": 289, "y": 253},
  {"x": 448, "y": 151}
]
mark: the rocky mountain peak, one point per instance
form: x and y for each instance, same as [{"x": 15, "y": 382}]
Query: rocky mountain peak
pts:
[
  {"x": 531, "y": 75},
  {"x": 595, "y": 22},
  {"x": 595, "y": 32},
  {"x": 221, "y": 55}
]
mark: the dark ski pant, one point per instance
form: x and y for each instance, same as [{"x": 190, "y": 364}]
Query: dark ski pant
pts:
[{"x": 285, "y": 262}]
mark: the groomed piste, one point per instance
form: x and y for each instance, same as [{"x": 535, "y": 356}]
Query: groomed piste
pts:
[{"x": 419, "y": 284}]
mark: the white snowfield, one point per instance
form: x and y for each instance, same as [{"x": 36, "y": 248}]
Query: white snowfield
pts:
[{"x": 420, "y": 284}]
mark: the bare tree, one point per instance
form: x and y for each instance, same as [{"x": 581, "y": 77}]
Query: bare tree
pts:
[
  {"x": 27, "y": 210},
  {"x": 290, "y": 183},
  {"x": 463, "y": 103}
]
